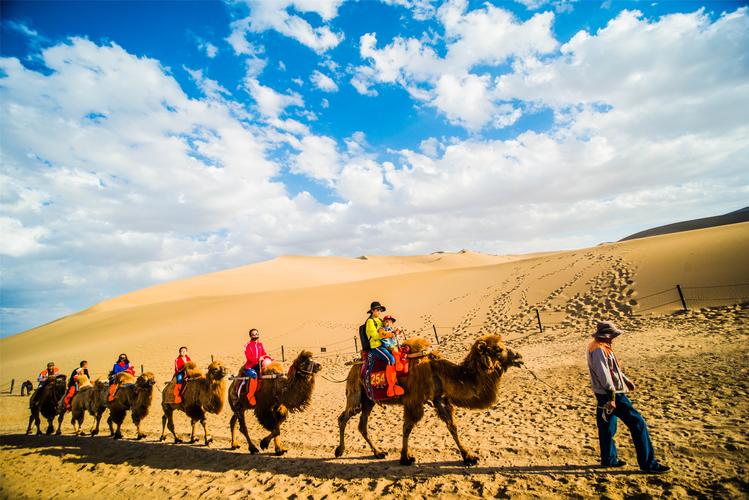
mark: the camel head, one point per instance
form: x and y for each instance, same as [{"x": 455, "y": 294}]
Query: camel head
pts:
[
  {"x": 145, "y": 380},
  {"x": 490, "y": 353},
  {"x": 304, "y": 366},
  {"x": 61, "y": 382},
  {"x": 216, "y": 371}
]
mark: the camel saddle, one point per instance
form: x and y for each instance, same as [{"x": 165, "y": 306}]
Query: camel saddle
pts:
[{"x": 373, "y": 373}]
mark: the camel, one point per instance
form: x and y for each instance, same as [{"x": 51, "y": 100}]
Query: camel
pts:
[
  {"x": 91, "y": 398},
  {"x": 275, "y": 398},
  {"x": 46, "y": 402},
  {"x": 202, "y": 393},
  {"x": 135, "y": 395},
  {"x": 473, "y": 384}
]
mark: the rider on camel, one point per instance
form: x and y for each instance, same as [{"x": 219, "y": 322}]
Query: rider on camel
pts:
[
  {"x": 122, "y": 365},
  {"x": 73, "y": 383},
  {"x": 179, "y": 373},
  {"x": 375, "y": 333},
  {"x": 257, "y": 359}
]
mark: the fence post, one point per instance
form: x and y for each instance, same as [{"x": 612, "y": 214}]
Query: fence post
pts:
[
  {"x": 540, "y": 326},
  {"x": 141, "y": 369},
  {"x": 12, "y": 383},
  {"x": 211, "y": 358},
  {"x": 435, "y": 334},
  {"x": 356, "y": 345},
  {"x": 681, "y": 296},
  {"x": 283, "y": 358}
]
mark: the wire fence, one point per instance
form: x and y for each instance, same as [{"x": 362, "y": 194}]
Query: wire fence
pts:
[{"x": 686, "y": 296}]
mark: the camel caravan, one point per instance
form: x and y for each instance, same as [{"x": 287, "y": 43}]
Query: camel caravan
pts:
[{"x": 387, "y": 372}]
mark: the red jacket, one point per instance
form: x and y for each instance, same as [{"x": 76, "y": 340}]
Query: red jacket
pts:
[
  {"x": 179, "y": 363},
  {"x": 253, "y": 351},
  {"x": 46, "y": 373}
]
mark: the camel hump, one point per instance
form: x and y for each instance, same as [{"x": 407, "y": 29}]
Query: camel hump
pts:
[
  {"x": 83, "y": 381},
  {"x": 192, "y": 370},
  {"x": 417, "y": 344},
  {"x": 274, "y": 368},
  {"x": 124, "y": 378}
]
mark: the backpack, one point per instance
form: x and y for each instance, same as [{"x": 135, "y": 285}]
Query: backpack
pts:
[{"x": 363, "y": 337}]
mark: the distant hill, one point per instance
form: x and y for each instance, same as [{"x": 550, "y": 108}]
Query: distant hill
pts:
[{"x": 741, "y": 215}]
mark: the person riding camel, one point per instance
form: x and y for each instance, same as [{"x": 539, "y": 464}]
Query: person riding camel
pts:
[
  {"x": 122, "y": 365},
  {"x": 375, "y": 333},
  {"x": 390, "y": 340},
  {"x": 73, "y": 383},
  {"x": 257, "y": 359},
  {"x": 51, "y": 372},
  {"x": 179, "y": 373}
]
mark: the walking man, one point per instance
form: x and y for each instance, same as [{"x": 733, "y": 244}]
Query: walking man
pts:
[{"x": 610, "y": 387}]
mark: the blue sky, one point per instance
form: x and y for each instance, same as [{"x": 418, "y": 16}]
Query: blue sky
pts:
[{"x": 150, "y": 141}]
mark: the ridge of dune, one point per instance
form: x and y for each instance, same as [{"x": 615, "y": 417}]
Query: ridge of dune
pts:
[{"x": 298, "y": 271}]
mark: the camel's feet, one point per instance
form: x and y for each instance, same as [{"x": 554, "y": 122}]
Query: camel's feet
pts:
[
  {"x": 208, "y": 440},
  {"x": 339, "y": 451},
  {"x": 94, "y": 432},
  {"x": 379, "y": 454},
  {"x": 163, "y": 437},
  {"x": 234, "y": 446},
  {"x": 470, "y": 459},
  {"x": 59, "y": 432},
  {"x": 38, "y": 433},
  {"x": 178, "y": 440},
  {"x": 253, "y": 450},
  {"x": 140, "y": 436},
  {"x": 193, "y": 440},
  {"x": 280, "y": 451},
  {"x": 117, "y": 435},
  {"x": 407, "y": 459},
  {"x": 265, "y": 442}
]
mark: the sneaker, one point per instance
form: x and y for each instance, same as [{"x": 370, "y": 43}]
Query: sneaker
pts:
[
  {"x": 658, "y": 469},
  {"x": 619, "y": 463}
]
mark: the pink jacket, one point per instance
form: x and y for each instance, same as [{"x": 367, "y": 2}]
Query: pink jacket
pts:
[{"x": 253, "y": 351}]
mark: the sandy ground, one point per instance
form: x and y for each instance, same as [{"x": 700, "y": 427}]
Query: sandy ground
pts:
[{"x": 540, "y": 440}]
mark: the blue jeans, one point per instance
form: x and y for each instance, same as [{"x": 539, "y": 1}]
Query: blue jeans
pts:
[
  {"x": 637, "y": 429},
  {"x": 249, "y": 372},
  {"x": 383, "y": 353}
]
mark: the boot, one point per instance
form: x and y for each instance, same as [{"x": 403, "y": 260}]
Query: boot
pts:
[
  {"x": 393, "y": 388},
  {"x": 177, "y": 395},
  {"x": 399, "y": 366},
  {"x": 112, "y": 391},
  {"x": 69, "y": 396},
  {"x": 251, "y": 388}
]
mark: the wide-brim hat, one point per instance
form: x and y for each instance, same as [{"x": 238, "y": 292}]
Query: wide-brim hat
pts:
[
  {"x": 606, "y": 330},
  {"x": 376, "y": 305}
]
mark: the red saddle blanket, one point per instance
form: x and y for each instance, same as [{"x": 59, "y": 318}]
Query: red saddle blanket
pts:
[{"x": 373, "y": 374}]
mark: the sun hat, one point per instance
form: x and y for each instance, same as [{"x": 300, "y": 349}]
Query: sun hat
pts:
[
  {"x": 376, "y": 305},
  {"x": 606, "y": 330}
]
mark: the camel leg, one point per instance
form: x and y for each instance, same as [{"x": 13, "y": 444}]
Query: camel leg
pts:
[
  {"x": 233, "y": 429},
  {"x": 118, "y": 431},
  {"x": 169, "y": 421},
  {"x": 74, "y": 423},
  {"x": 31, "y": 422},
  {"x": 59, "y": 424},
  {"x": 193, "y": 422},
  {"x": 139, "y": 433},
  {"x": 109, "y": 423},
  {"x": 243, "y": 429},
  {"x": 280, "y": 450},
  {"x": 411, "y": 415},
  {"x": 446, "y": 412},
  {"x": 50, "y": 425},
  {"x": 207, "y": 437},
  {"x": 366, "y": 409},
  {"x": 343, "y": 419},
  {"x": 97, "y": 421}
]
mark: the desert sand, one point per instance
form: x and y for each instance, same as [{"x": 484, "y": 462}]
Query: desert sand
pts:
[{"x": 540, "y": 440}]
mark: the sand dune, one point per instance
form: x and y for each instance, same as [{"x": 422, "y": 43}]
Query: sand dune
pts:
[{"x": 537, "y": 442}]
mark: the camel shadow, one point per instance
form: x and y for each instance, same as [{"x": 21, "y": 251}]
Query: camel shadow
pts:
[{"x": 90, "y": 451}]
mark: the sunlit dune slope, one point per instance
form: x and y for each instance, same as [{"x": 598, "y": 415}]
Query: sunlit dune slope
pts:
[{"x": 316, "y": 302}]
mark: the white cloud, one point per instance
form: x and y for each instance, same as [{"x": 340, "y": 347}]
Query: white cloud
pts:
[
  {"x": 318, "y": 159},
  {"x": 323, "y": 82},
  {"x": 274, "y": 15},
  {"x": 17, "y": 240},
  {"x": 269, "y": 102},
  {"x": 485, "y": 36}
]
